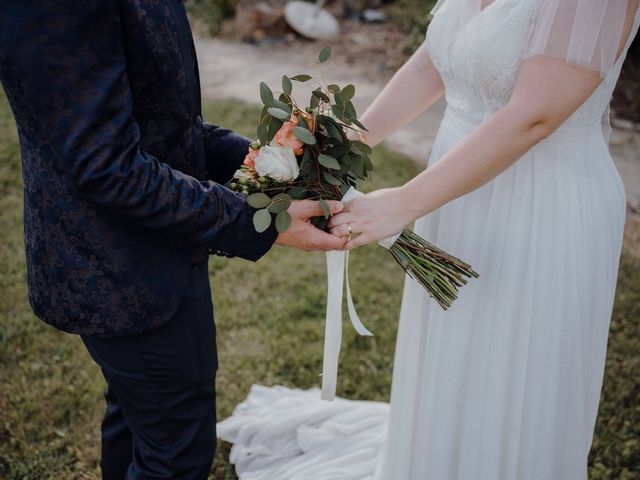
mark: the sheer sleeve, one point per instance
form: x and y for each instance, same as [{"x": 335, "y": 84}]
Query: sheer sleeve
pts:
[{"x": 586, "y": 33}]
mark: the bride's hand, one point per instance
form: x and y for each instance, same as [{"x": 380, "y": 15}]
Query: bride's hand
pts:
[{"x": 372, "y": 217}]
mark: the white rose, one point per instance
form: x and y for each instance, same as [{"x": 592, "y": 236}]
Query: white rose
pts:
[{"x": 278, "y": 163}]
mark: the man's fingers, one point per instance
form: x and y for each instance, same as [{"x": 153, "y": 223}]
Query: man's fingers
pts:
[
  {"x": 311, "y": 208},
  {"x": 325, "y": 241}
]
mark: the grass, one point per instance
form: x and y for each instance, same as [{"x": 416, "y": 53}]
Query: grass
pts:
[{"x": 268, "y": 332}]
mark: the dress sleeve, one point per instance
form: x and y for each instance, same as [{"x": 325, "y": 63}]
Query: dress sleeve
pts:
[{"x": 586, "y": 33}]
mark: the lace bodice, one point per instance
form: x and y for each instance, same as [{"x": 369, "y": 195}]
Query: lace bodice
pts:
[{"x": 480, "y": 65}]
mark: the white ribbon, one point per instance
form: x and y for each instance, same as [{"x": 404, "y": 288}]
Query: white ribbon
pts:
[{"x": 337, "y": 273}]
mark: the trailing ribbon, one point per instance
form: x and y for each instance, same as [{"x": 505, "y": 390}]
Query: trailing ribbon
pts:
[{"x": 337, "y": 274}]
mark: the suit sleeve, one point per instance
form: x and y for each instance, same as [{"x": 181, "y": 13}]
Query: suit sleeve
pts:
[
  {"x": 225, "y": 151},
  {"x": 68, "y": 60}
]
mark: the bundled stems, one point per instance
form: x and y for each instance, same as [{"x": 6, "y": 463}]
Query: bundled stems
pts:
[{"x": 438, "y": 272}]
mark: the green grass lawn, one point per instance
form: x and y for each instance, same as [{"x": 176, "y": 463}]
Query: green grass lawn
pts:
[{"x": 270, "y": 330}]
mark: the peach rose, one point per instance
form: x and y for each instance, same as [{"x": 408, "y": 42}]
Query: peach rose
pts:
[
  {"x": 250, "y": 159},
  {"x": 285, "y": 137}
]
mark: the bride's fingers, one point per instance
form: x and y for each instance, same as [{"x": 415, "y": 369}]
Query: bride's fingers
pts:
[
  {"x": 343, "y": 230},
  {"x": 358, "y": 241},
  {"x": 341, "y": 219}
]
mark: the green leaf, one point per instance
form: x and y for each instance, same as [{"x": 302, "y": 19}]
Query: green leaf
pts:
[
  {"x": 325, "y": 208},
  {"x": 333, "y": 88},
  {"x": 338, "y": 111},
  {"x": 282, "y": 106},
  {"x": 331, "y": 179},
  {"x": 304, "y": 135},
  {"x": 358, "y": 165},
  {"x": 325, "y": 54},
  {"x": 263, "y": 134},
  {"x": 282, "y": 197},
  {"x": 302, "y": 78},
  {"x": 279, "y": 114},
  {"x": 287, "y": 86},
  {"x": 361, "y": 148},
  {"x": 274, "y": 126},
  {"x": 350, "y": 111},
  {"x": 359, "y": 125},
  {"x": 277, "y": 207},
  {"x": 348, "y": 92},
  {"x": 334, "y": 130},
  {"x": 315, "y": 101},
  {"x": 321, "y": 95},
  {"x": 328, "y": 162},
  {"x": 261, "y": 220},
  {"x": 258, "y": 200},
  {"x": 283, "y": 221},
  {"x": 266, "y": 95},
  {"x": 297, "y": 192}
]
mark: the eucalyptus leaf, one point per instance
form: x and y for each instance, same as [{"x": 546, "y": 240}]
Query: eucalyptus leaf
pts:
[
  {"x": 331, "y": 179},
  {"x": 287, "y": 86},
  {"x": 325, "y": 54},
  {"x": 266, "y": 95},
  {"x": 338, "y": 111},
  {"x": 302, "y": 78},
  {"x": 357, "y": 123},
  {"x": 328, "y": 162},
  {"x": 263, "y": 134},
  {"x": 325, "y": 208},
  {"x": 348, "y": 92},
  {"x": 333, "y": 88},
  {"x": 283, "y": 221},
  {"x": 367, "y": 162},
  {"x": 261, "y": 220},
  {"x": 297, "y": 192},
  {"x": 282, "y": 197},
  {"x": 304, "y": 135},
  {"x": 279, "y": 114},
  {"x": 258, "y": 200},
  {"x": 321, "y": 95},
  {"x": 279, "y": 206},
  {"x": 350, "y": 111},
  {"x": 314, "y": 102},
  {"x": 274, "y": 126},
  {"x": 361, "y": 148},
  {"x": 282, "y": 106}
]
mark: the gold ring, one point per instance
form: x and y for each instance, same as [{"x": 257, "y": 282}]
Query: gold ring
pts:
[{"x": 350, "y": 231}]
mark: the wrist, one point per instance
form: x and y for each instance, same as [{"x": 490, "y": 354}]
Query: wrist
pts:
[{"x": 410, "y": 202}]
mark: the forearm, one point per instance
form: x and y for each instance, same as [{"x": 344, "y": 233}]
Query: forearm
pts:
[{"x": 413, "y": 89}]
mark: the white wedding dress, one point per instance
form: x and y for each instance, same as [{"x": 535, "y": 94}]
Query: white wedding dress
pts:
[{"x": 506, "y": 384}]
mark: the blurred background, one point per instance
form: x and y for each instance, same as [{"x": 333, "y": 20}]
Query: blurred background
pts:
[{"x": 268, "y": 332}]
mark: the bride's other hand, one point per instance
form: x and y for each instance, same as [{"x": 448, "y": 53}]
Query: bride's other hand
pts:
[{"x": 374, "y": 216}]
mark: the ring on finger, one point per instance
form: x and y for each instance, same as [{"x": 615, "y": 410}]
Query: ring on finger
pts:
[{"x": 350, "y": 229}]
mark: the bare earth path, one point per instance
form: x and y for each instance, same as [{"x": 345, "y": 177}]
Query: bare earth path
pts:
[{"x": 234, "y": 70}]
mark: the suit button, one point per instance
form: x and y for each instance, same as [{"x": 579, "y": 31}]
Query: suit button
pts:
[{"x": 199, "y": 120}]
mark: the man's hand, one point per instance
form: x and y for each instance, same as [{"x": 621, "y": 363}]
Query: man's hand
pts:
[{"x": 303, "y": 235}]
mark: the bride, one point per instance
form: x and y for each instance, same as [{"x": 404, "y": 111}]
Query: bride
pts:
[{"x": 506, "y": 384}]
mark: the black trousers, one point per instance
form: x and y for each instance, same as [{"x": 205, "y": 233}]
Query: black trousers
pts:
[{"x": 160, "y": 421}]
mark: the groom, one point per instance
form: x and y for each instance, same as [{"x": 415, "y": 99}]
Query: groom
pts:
[{"x": 123, "y": 204}]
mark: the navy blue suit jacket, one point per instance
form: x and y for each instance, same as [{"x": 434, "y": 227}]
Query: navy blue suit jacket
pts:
[{"x": 122, "y": 178}]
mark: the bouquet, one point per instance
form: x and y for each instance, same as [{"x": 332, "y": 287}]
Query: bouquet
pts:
[{"x": 313, "y": 152}]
